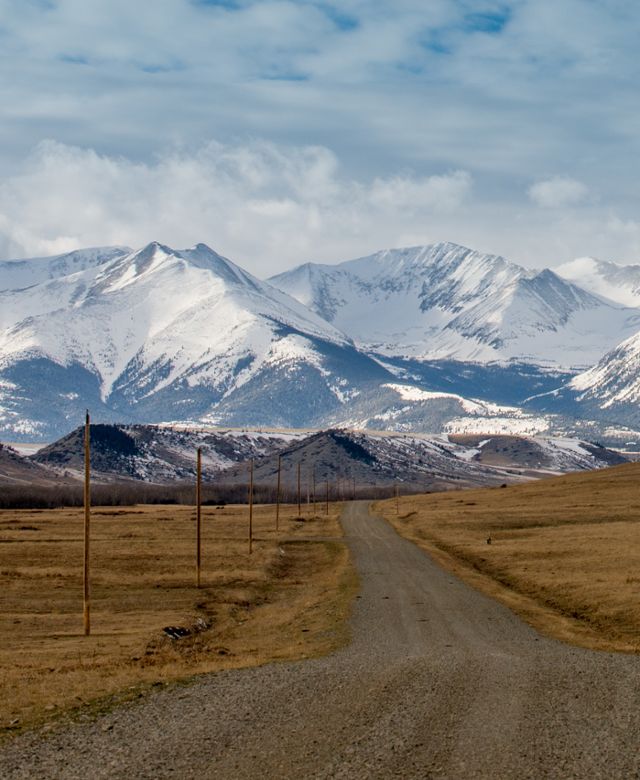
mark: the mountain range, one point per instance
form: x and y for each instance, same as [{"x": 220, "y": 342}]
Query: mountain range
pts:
[
  {"x": 435, "y": 339},
  {"x": 445, "y": 301}
]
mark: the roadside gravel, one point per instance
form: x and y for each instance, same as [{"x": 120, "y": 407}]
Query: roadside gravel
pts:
[{"x": 438, "y": 682}]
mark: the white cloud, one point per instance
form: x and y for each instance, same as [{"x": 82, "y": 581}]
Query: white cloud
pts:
[
  {"x": 558, "y": 192},
  {"x": 265, "y": 205},
  {"x": 269, "y": 207},
  {"x": 628, "y": 227},
  {"x": 433, "y": 193}
]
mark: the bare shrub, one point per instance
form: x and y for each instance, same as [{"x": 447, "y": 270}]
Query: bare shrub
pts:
[{"x": 130, "y": 493}]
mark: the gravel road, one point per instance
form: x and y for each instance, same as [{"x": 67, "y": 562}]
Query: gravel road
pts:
[{"x": 438, "y": 682}]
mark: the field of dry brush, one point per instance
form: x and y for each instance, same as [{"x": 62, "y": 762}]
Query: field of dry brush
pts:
[{"x": 288, "y": 599}]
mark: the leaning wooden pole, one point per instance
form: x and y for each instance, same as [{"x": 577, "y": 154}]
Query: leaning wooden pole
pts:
[
  {"x": 250, "y": 505},
  {"x": 198, "y": 515},
  {"x": 87, "y": 525},
  {"x": 278, "y": 491},
  {"x": 299, "y": 508},
  {"x": 327, "y": 512},
  {"x": 397, "y": 500}
]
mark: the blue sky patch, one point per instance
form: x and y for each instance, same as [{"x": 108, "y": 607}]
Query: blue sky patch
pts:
[
  {"x": 161, "y": 67},
  {"x": 231, "y": 5},
  {"x": 341, "y": 20},
  {"x": 74, "y": 59},
  {"x": 492, "y": 23},
  {"x": 285, "y": 77}
]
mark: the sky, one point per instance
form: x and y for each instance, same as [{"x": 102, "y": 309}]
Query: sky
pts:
[{"x": 281, "y": 131}]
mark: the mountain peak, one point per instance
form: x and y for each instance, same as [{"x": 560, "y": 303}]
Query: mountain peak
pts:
[
  {"x": 443, "y": 248},
  {"x": 200, "y": 247},
  {"x": 143, "y": 258},
  {"x": 158, "y": 257},
  {"x": 153, "y": 246}
]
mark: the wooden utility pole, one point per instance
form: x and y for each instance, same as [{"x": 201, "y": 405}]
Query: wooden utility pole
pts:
[
  {"x": 198, "y": 515},
  {"x": 87, "y": 525},
  {"x": 313, "y": 487},
  {"x": 327, "y": 496},
  {"x": 354, "y": 489},
  {"x": 299, "y": 509},
  {"x": 250, "y": 505},
  {"x": 278, "y": 492},
  {"x": 397, "y": 501}
]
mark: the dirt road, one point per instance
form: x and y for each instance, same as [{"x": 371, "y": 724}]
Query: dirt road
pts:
[{"x": 439, "y": 682}]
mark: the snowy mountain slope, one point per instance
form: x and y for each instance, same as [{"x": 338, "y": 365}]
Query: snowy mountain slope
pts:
[
  {"x": 396, "y": 301},
  {"x": 601, "y": 402},
  {"x": 619, "y": 283},
  {"x": 509, "y": 384},
  {"x": 285, "y": 394},
  {"x": 611, "y": 389},
  {"x": 18, "y": 274},
  {"x": 148, "y": 305},
  {"x": 40, "y": 399},
  {"x": 162, "y": 334},
  {"x": 445, "y": 301},
  {"x": 396, "y": 406}
]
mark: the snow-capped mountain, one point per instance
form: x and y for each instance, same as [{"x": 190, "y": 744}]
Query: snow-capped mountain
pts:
[
  {"x": 162, "y": 334},
  {"x": 619, "y": 283},
  {"x": 610, "y": 389},
  {"x": 446, "y": 301},
  {"x": 430, "y": 339}
]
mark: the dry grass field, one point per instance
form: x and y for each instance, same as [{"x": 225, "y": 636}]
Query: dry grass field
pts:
[
  {"x": 288, "y": 599},
  {"x": 564, "y": 552}
]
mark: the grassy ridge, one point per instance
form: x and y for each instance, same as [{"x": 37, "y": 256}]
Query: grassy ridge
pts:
[{"x": 563, "y": 552}]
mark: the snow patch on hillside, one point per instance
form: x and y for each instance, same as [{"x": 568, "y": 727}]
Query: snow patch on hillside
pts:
[
  {"x": 485, "y": 408},
  {"x": 523, "y": 426}
]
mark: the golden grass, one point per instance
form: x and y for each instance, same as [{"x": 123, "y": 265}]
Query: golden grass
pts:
[
  {"x": 564, "y": 552},
  {"x": 288, "y": 599}
]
